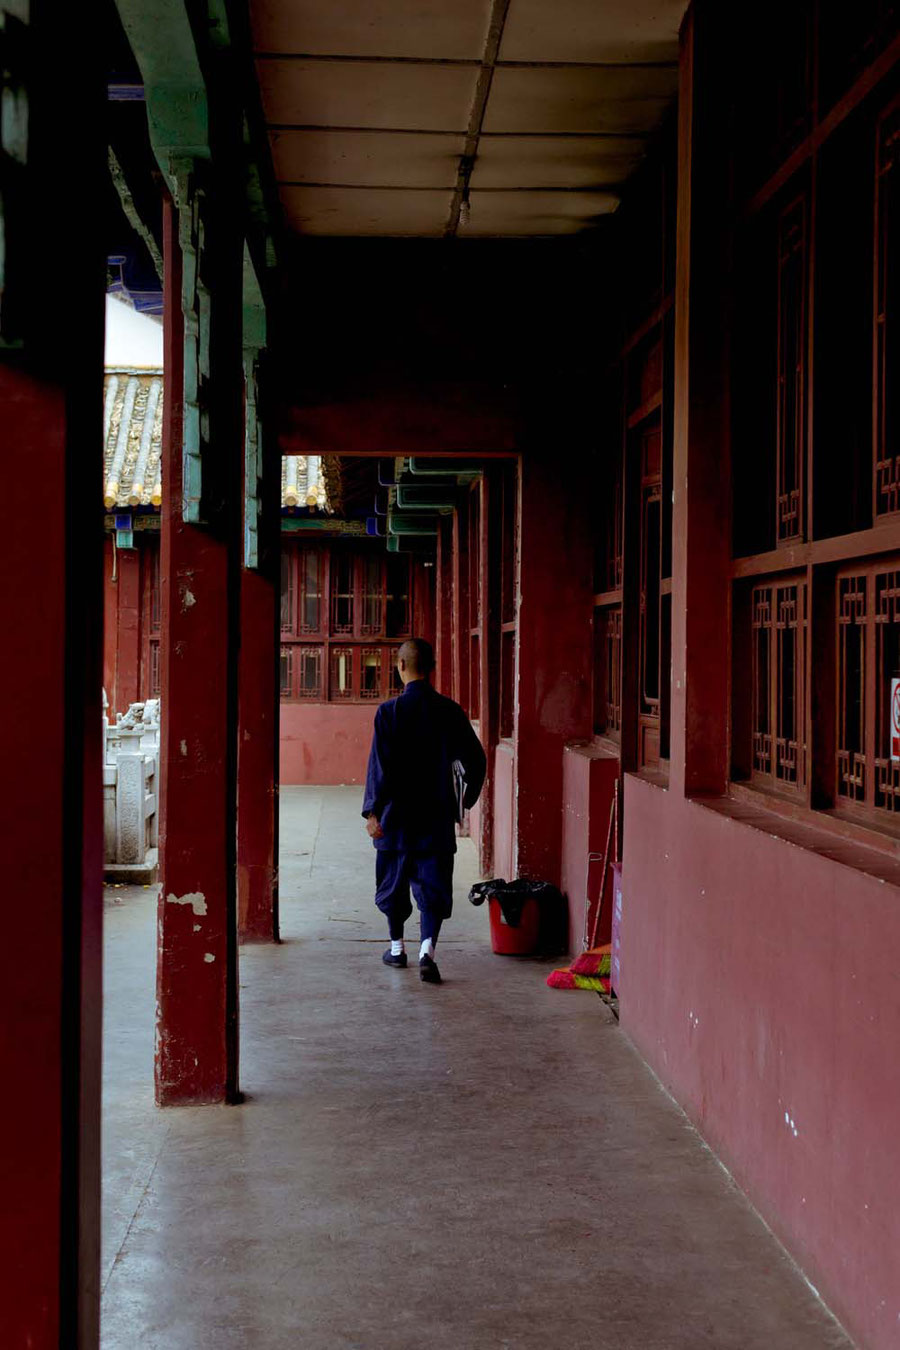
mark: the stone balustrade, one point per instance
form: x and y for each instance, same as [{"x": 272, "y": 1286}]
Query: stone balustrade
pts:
[{"x": 130, "y": 793}]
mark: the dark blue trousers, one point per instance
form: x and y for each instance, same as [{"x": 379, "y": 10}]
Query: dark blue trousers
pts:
[{"x": 431, "y": 880}]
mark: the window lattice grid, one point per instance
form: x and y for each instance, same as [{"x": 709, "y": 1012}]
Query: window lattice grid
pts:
[
  {"x": 651, "y": 553},
  {"x": 791, "y": 413},
  {"x": 614, "y": 532},
  {"x": 155, "y": 596},
  {"x": 852, "y": 763},
  {"x": 370, "y": 673},
  {"x": 887, "y": 315},
  {"x": 341, "y": 674},
  {"x": 790, "y": 694},
  {"x": 287, "y": 590},
  {"x": 762, "y": 679},
  {"x": 509, "y": 552},
  {"x": 312, "y": 590},
  {"x": 309, "y": 683},
  {"x": 372, "y": 597},
  {"x": 342, "y": 595},
  {"x": 155, "y": 673},
  {"x": 779, "y": 660},
  {"x": 286, "y": 672},
  {"x": 397, "y": 616},
  {"x": 887, "y": 665},
  {"x": 613, "y": 638}
]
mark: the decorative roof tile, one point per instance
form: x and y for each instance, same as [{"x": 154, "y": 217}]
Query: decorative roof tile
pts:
[{"x": 132, "y": 452}]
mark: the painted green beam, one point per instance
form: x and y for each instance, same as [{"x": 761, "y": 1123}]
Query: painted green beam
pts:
[
  {"x": 420, "y": 525},
  {"x": 417, "y": 498}
]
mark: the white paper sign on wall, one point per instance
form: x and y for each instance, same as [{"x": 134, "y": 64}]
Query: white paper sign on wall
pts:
[{"x": 895, "y": 721}]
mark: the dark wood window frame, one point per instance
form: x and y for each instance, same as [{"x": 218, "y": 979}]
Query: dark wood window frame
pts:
[
  {"x": 343, "y": 615},
  {"x": 851, "y": 787}
]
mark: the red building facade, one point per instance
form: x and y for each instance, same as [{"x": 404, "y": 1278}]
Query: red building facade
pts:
[{"x": 346, "y": 605}]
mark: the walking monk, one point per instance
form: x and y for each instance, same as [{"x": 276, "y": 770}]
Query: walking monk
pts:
[{"x": 424, "y": 758}]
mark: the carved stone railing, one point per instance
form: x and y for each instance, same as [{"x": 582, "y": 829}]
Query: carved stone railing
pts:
[{"x": 130, "y": 797}]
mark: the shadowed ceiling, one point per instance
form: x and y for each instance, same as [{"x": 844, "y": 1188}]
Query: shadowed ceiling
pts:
[{"x": 460, "y": 117}]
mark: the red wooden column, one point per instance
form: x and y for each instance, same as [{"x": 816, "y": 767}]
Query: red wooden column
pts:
[
  {"x": 196, "y": 1059},
  {"x": 555, "y": 648},
  {"x": 128, "y": 630},
  {"x": 258, "y": 718},
  {"x": 701, "y": 516},
  {"x": 51, "y": 614}
]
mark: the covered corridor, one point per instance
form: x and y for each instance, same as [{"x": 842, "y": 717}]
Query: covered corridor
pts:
[
  {"x": 565, "y": 337},
  {"x": 488, "y": 1163}
]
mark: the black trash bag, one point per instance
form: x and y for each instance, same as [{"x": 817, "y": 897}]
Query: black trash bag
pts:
[
  {"x": 484, "y": 890},
  {"x": 512, "y": 897}
]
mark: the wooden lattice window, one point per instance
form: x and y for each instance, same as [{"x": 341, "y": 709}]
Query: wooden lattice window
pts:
[
  {"x": 614, "y": 532},
  {"x": 342, "y": 594},
  {"x": 608, "y": 671},
  {"x": 653, "y": 659},
  {"x": 339, "y": 607},
  {"x": 791, "y": 414},
  {"x": 868, "y": 620},
  {"x": 372, "y": 597},
  {"x": 309, "y": 683},
  {"x": 887, "y": 668},
  {"x": 779, "y": 623},
  {"x": 342, "y": 682},
  {"x": 397, "y": 615},
  {"x": 887, "y": 315},
  {"x": 370, "y": 678},
  {"x": 312, "y": 590},
  {"x": 288, "y": 558},
  {"x": 852, "y": 620},
  {"x": 286, "y": 672}
]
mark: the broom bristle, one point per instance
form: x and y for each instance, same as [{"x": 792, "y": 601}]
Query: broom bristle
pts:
[
  {"x": 567, "y": 979},
  {"x": 593, "y": 962},
  {"x": 561, "y": 979}
]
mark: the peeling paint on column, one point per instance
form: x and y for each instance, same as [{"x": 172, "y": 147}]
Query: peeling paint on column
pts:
[
  {"x": 208, "y": 958},
  {"x": 196, "y": 899},
  {"x": 188, "y": 599}
]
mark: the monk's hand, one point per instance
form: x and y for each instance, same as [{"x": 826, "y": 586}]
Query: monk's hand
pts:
[{"x": 373, "y": 828}]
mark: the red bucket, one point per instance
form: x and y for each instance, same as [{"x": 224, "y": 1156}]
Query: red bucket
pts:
[{"x": 521, "y": 941}]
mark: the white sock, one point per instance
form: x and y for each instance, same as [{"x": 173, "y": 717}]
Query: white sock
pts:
[
  {"x": 398, "y": 946},
  {"x": 426, "y": 949}
]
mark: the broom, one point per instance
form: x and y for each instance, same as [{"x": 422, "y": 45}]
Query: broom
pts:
[
  {"x": 591, "y": 969},
  {"x": 596, "y": 960}
]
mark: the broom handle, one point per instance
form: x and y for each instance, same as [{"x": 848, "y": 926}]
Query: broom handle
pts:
[{"x": 613, "y": 814}]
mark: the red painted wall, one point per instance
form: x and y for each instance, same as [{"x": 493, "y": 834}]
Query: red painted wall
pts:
[
  {"x": 325, "y": 743},
  {"x": 760, "y": 982},
  {"x": 589, "y": 777}
]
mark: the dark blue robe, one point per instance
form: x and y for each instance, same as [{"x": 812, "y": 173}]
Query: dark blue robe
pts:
[
  {"x": 409, "y": 784},
  {"x": 410, "y": 788}
]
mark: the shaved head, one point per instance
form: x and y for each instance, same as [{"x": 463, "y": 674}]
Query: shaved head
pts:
[{"x": 417, "y": 656}]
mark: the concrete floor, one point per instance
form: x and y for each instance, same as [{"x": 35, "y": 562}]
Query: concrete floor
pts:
[{"x": 484, "y": 1164}]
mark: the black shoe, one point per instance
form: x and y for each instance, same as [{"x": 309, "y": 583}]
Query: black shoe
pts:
[
  {"x": 428, "y": 971},
  {"x": 398, "y": 961}
]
